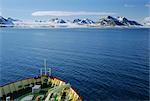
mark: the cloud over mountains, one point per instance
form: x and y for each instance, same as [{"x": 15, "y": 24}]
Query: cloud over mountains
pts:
[
  {"x": 67, "y": 13},
  {"x": 147, "y": 5}
]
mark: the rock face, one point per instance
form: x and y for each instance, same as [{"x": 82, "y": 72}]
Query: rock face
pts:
[
  {"x": 5, "y": 22},
  {"x": 119, "y": 21}
]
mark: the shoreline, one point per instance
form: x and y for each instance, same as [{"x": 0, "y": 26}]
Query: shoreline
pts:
[{"x": 72, "y": 27}]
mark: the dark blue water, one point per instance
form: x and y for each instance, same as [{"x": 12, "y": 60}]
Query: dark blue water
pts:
[{"x": 102, "y": 64}]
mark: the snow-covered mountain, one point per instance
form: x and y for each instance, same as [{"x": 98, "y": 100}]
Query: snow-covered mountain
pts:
[
  {"x": 127, "y": 22},
  {"x": 84, "y": 21},
  {"x": 56, "y": 20},
  {"x": 5, "y": 22},
  {"x": 109, "y": 21},
  {"x": 119, "y": 21}
]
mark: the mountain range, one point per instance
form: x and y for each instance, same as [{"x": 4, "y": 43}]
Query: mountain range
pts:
[
  {"x": 119, "y": 21},
  {"x": 105, "y": 21}
]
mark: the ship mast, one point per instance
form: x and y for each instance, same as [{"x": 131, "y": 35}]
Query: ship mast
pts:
[
  {"x": 45, "y": 70},
  {"x": 45, "y": 66}
]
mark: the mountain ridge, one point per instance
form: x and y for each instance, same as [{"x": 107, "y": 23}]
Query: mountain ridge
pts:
[{"x": 102, "y": 22}]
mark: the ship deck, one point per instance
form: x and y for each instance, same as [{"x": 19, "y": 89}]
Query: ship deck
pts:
[
  {"x": 38, "y": 89},
  {"x": 40, "y": 96}
]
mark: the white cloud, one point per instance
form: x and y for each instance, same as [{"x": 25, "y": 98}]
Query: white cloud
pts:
[
  {"x": 147, "y": 5},
  {"x": 66, "y": 13},
  {"x": 129, "y": 5}
]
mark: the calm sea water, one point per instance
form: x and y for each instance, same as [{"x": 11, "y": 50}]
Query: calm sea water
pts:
[{"x": 102, "y": 64}]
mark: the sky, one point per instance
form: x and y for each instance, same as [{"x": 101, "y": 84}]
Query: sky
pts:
[{"x": 70, "y": 9}]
